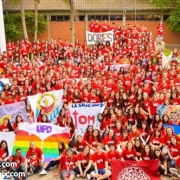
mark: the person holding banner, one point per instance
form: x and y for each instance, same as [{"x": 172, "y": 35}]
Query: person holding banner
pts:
[
  {"x": 17, "y": 121},
  {"x": 6, "y": 126},
  {"x": 70, "y": 124},
  {"x": 84, "y": 163},
  {"x": 100, "y": 161},
  {"x": 4, "y": 152},
  {"x": 79, "y": 144}
]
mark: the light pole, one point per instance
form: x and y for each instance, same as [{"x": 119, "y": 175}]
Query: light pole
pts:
[
  {"x": 135, "y": 11},
  {"x": 124, "y": 15},
  {"x": 2, "y": 30}
]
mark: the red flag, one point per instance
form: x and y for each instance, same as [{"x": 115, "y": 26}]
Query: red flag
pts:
[{"x": 133, "y": 170}]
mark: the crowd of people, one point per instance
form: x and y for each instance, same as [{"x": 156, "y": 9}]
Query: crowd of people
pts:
[{"x": 130, "y": 127}]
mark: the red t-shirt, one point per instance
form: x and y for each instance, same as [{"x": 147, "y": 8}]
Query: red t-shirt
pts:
[
  {"x": 114, "y": 155},
  {"x": 34, "y": 162},
  {"x": 67, "y": 163},
  {"x": 81, "y": 145},
  {"x": 84, "y": 159},
  {"x": 174, "y": 150},
  {"x": 18, "y": 160},
  {"x": 3, "y": 154},
  {"x": 4, "y": 128},
  {"x": 128, "y": 155},
  {"x": 38, "y": 151},
  {"x": 100, "y": 159}
]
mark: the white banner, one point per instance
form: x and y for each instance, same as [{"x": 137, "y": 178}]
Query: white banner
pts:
[
  {"x": 93, "y": 38},
  {"x": 85, "y": 114},
  {"x": 50, "y": 102}
]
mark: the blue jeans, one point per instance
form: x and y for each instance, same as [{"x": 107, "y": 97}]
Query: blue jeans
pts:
[
  {"x": 51, "y": 164},
  {"x": 21, "y": 168},
  {"x": 101, "y": 171}
]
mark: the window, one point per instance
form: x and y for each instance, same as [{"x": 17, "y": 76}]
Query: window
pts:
[{"x": 53, "y": 18}]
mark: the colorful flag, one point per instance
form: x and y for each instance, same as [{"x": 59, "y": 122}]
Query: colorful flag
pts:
[
  {"x": 45, "y": 135},
  {"x": 50, "y": 102},
  {"x": 133, "y": 170},
  {"x": 10, "y": 111},
  {"x": 85, "y": 114}
]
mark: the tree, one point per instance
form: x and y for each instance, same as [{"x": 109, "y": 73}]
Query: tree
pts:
[
  {"x": 23, "y": 19},
  {"x": 72, "y": 15},
  {"x": 36, "y": 2},
  {"x": 13, "y": 25},
  {"x": 173, "y": 20}
]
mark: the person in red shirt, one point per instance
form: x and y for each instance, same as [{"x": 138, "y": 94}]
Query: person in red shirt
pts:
[
  {"x": 33, "y": 164},
  {"x": 20, "y": 165},
  {"x": 129, "y": 153},
  {"x": 91, "y": 26},
  {"x": 66, "y": 165},
  {"x": 4, "y": 152},
  {"x": 160, "y": 29},
  {"x": 105, "y": 26},
  {"x": 6, "y": 126},
  {"x": 84, "y": 163},
  {"x": 100, "y": 161},
  {"x": 147, "y": 153},
  {"x": 112, "y": 154},
  {"x": 54, "y": 162},
  {"x": 79, "y": 144},
  {"x": 93, "y": 98},
  {"x": 17, "y": 121},
  {"x": 173, "y": 151},
  {"x": 96, "y": 27},
  {"x": 9, "y": 99},
  {"x": 33, "y": 149}
]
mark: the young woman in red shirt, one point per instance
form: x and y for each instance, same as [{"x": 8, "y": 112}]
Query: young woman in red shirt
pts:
[
  {"x": 70, "y": 124},
  {"x": 4, "y": 152},
  {"x": 111, "y": 138},
  {"x": 6, "y": 126},
  {"x": 88, "y": 134},
  {"x": 41, "y": 113},
  {"x": 54, "y": 162},
  {"x": 173, "y": 151},
  {"x": 139, "y": 148},
  {"x": 84, "y": 163},
  {"x": 156, "y": 140},
  {"x": 144, "y": 133},
  {"x": 96, "y": 138},
  {"x": 147, "y": 153},
  {"x": 79, "y": 144},
  {"x": 17, "y": 121},
  {"x": 162, "y": 161},
  {"x": 129, "y": 153},
  {"x": 61, "y": 119}
]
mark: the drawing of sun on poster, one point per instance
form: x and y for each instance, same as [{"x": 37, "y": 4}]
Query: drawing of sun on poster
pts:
[
  {"x": 49, "y": 102},
  {"x": 45, "y": 135}
]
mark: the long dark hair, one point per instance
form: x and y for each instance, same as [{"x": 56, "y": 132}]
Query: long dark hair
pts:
[
  {"x": 9, "y": 125},
  {"x": 17, "y": 118},
  {"x": 98, "y": 136},
  {"x": 150, "y": 152},
  {"x": 63, "y": 149},
  {"x": 87, "y": 132},
  {"x": 6, "y": 148}
]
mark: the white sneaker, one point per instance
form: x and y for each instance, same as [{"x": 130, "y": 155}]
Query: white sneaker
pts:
[
  {"x": 88, "y": 176},
  {"x": 43, "y": 172},
  {"x": 78, "y": 175}
]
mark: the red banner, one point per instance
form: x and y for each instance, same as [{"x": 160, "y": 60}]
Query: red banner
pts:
[{"x": 133, "y": 170}]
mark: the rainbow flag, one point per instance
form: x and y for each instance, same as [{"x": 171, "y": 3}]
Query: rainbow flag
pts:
[{"x": 45, "y": 135}]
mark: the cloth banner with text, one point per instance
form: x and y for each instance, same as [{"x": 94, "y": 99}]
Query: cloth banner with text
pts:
[
  {"x": 133, "y": 170},
  {"x": 50, "y": 102},
  {"x": 173, "y": 111},
  {"x": 103, "y": 37},
  {"x": 85, "y": 114},
  {"x": 45, "y": 135},
  {"x": 10, "y": 111}
]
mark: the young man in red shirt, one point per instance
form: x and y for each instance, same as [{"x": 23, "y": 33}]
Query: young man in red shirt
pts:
[
  {"x": 100, "y": 160},
  {"x": 20, "y": 165},
  {"x": 66, "y": 165}
]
